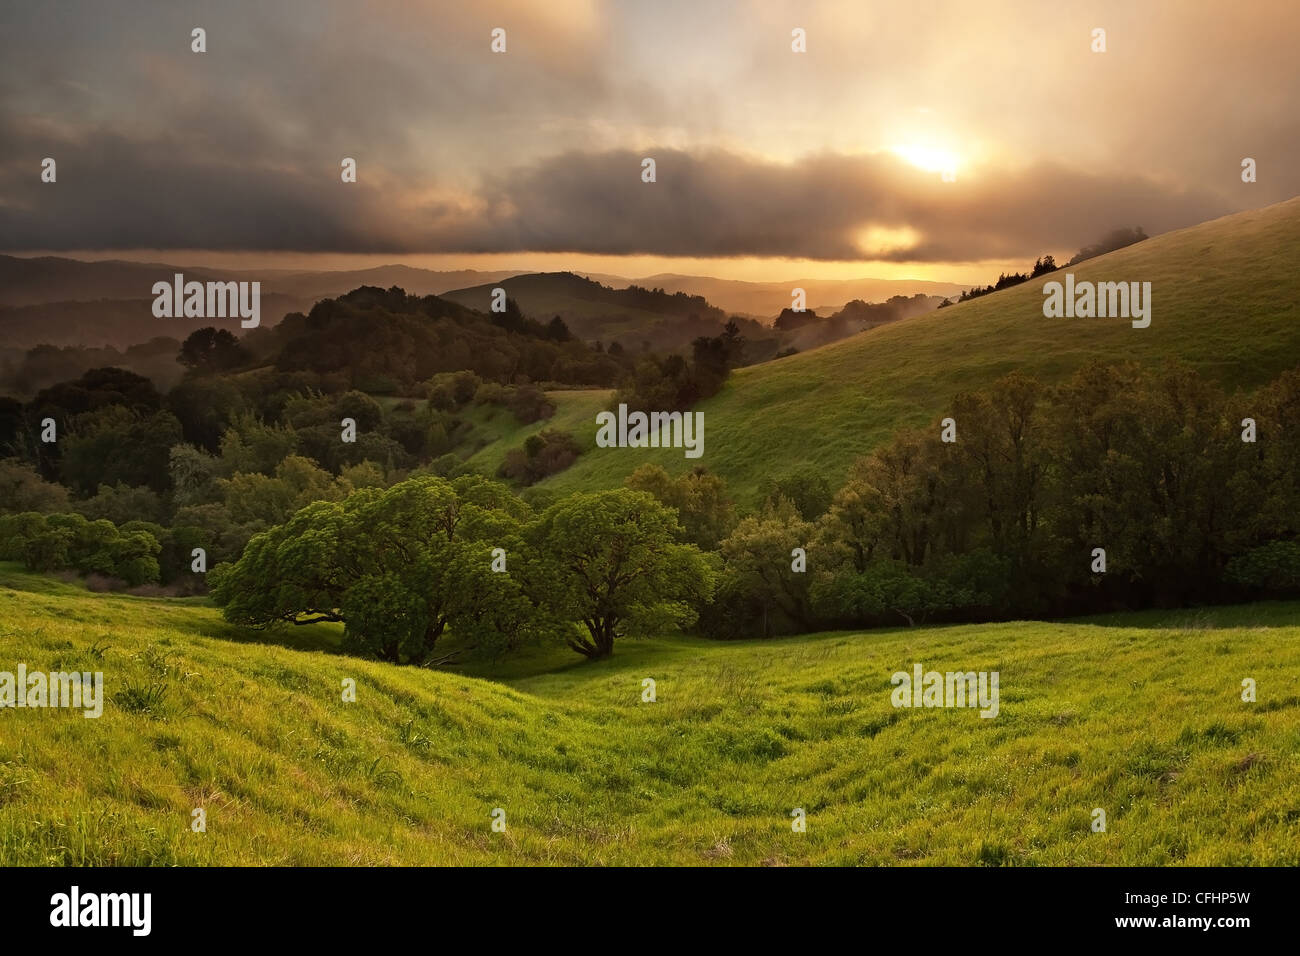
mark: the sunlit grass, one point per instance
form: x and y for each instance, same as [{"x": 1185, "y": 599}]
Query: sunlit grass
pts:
[{"x": 1142, "y": 719}]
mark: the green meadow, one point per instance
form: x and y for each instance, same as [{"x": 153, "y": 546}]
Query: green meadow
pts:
[{"x": 1140, "y": 715}]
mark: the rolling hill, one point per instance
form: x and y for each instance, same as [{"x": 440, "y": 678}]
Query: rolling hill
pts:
[
  {"x": 50, "y": 300},
  {"x": 199, "y": 714},
  {"x": 591, "y": 309},
  {"x": 1226, "y": 298}
]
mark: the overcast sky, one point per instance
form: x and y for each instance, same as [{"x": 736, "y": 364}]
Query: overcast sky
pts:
[{"x": 770, "y": 163}]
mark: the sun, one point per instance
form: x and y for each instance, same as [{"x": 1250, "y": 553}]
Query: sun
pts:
[{"x": 929, "y": 158}]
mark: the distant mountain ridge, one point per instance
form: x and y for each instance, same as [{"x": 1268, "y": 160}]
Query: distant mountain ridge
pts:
[
  {"x": 31, "y": 280},
  {"x": 69, "y": 302},
  {"x": 768, "y": 299},
  {"x": 36, "y": 280}
]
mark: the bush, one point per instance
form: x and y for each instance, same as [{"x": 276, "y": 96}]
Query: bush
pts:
[
  {"x": 1273, "y": 567},
  {"x": 60, "y": 541},
  {"x": 529, "y": 404},
  {"x": 448, "y": 391},
  {"x": 491, "y": 393},
  {"x": 546, "y": 453}
]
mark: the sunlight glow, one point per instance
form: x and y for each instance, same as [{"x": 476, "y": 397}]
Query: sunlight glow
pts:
[{"x": 929, "y": 158}]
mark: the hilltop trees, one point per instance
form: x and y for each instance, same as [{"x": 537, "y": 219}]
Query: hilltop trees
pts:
[
  {"x": 387, "y": 341},
  {"x": 1115, "y": 239},
  {"x": 212, "y": 350}
]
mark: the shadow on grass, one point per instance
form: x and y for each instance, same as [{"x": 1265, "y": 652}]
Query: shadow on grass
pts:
[
  {"x": 309, "y": 637},
  {"x": 1258, "y": 614}
]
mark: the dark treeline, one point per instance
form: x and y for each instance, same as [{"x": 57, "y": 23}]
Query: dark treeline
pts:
[
  {"x": 388, "y": 342},
  {"x": 672, "y": 382},
  {"x": 1150, "y": 466},
  {"x": 1042, "y": 266},
  {"x": 675, "y": 303},
  {"x": 805, "y": 330}
]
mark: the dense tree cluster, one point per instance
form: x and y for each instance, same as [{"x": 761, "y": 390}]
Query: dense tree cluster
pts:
[
  {"x": 547, "y": 452},
  {"x": 402, "y": 567},
  {"x": 386, "y": 341},
  {"x": 1149, "y": 466},
  {"x": 58, "y": 542},
  {"x": 672, "y": 383},
  {"x": 23, "y": 373},
  {"x": 253, "y": 431}
]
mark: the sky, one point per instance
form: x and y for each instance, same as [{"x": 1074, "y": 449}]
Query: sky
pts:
[{"x": 770, "y": 163}]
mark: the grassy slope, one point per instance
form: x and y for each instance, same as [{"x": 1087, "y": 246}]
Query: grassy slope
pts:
[
  {"x": 1141, "y": 718},
  {"x": 499, "y": 431},
  {"x": 495, "y": 431},
  {"x": 1226, "y": 298}
]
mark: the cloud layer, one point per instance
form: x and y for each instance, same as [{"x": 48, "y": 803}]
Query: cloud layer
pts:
[{"x": 759, "y": 152}]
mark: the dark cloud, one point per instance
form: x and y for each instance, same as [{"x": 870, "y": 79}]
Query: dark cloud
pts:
[
  {"x": 539, "y": 150},
  {"x": 821, "y": 207},
  {"x": 113, "y": 193}
]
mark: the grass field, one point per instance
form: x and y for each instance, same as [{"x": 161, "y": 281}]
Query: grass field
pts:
[
  {"x": 1140, "y": 715},
  {"x": 1226, "y": 298}
]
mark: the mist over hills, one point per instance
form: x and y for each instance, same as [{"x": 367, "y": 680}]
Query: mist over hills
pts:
[
  {"x": 767, "y": 299},
  {"x": 29, "y": 280},
  {"x": 52, "y": 300}
]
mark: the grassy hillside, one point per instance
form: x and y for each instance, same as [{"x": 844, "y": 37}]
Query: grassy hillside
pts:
[
  {"x": 1139, "y": 716},
  {"x": 497, "y": 431},
  {"x": 1226, "y": 298}
]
